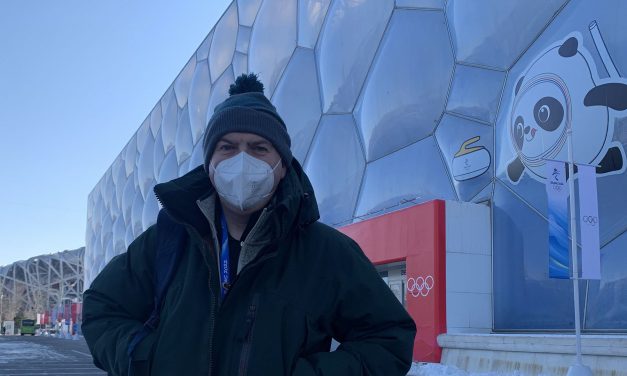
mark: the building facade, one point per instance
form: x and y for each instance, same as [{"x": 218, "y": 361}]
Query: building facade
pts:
[{"x": 394, "y": 103}]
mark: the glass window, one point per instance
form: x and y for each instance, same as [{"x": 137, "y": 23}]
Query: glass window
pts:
[
  {"x": 184, "y": 142},
  {"x": 524, "y": 296},
  {"x": 168, "y": 123},
  {"x": 243, "y": 39},
  {"x": 413, "y": 69},
  {"x": 495, "y": 34},
  {"x": 344, "y": 55},
  {"x": 223, "y": 43},
  {"x": 411, "y": 175},
  {"x": 467, "y": 149},
  {"x": 335, "y": 166},
  {"x": 394, "y": 275},
  {"x": 476, "y": 92},
  {"x": 310, "y": 17},
  {"x": 199, "y": 100},
  {"x": 183, "y": 81},
  {"x": 248, "y": 11},
  {"x": 297, "y": 99},
  {"x": 273, "y": 40}
]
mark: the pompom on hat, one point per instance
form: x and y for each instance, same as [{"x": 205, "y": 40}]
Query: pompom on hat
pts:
[{"x": 247, "y": 110}]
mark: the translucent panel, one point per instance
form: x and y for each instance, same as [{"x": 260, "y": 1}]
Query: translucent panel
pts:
[
  {"x": 476, "y": 92},
  {"x": 142, "y": 135},
  {"x": 485, "y": 194},
  {"x": 220, "y": 91},
  {"x": 136, "y": 217},
  {"x": 336, "y": 184},
  {"x": 129, "y": 237},
  {"x": 310, "y": 17},
  {"x": 405, "y": 93},
  {"x": 413, "y": 174},
  {"x": 243, "y": 39},
  {"x": 127, "y": 197},
  {"x": 488, "y": 34},
  {"x": 297, "y": 99},
  {"x": 131, "y": 154},
  {"x": 168, "y": 124},
  {"x": 119, "y": 179},
  {"x": 184, "y": 142},
  {"x": 203, "y": 51},
  {"x": 611, "y": 290},
  {"x": 151, "y": 209},
  {"x": 106, "y": 233},
  {"x": 184, "y": 167},
  {"x": 169, "y": 168},
  {"x": 344, "y": 55},
  {"x": 108, "y": 254},
  {"x": 107, "y": 189},
  {"x": 273, "y": 40},
  {"x": 524, "y": 296},
  {"x": 467, "y": 150},
  {"x": 429, "y": 4},
  {"x": 248, "y": 11},
  {"x": 155, "y": 119},
  {"x": 240, "y": 64},
  {"x": 197, "y": 157},
  {"x": 158, "y": 155},
  {"x": 146, "y": 173},
  {"x": 199, "y": 99},
  {"x": 183, "y": 82},
  {"x": 119, "y": 234},
  {"x": 223, "y": 43}
]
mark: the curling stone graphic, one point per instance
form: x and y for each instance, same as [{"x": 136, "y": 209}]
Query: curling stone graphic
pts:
[{"x": 470, "y": 161}]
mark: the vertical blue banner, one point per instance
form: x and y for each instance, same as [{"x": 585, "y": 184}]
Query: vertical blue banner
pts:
[{"x": 557, "y": 194}]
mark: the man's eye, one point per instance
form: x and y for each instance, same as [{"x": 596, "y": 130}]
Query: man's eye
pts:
[
  {"x": 261, "y": 149},
  {"x": 225, "y": 147}
]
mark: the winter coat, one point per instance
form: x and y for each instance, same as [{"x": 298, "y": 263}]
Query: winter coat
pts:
[{"x": 300, "y": 284}]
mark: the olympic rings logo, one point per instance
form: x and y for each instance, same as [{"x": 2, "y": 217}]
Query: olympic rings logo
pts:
[
  {"x": 420, "y": 286},
  {"x": 590, "y": 219}
]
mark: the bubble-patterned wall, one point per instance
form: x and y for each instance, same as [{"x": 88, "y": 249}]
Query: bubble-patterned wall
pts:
[{"x": 393, "y": 103}]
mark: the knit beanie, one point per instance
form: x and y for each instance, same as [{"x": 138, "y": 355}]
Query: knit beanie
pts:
[{"x": 247, "y": 110}]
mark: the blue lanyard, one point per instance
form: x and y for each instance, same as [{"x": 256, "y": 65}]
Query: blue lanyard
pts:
[{"x": 225, "y": 275}]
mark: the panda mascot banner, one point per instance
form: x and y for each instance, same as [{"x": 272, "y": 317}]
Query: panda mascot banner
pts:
[{"x": 557, "y": 193}]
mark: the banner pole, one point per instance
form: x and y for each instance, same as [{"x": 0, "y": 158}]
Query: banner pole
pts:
[{"x": 578, "y": 369}]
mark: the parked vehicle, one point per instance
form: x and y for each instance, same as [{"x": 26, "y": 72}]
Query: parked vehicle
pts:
[{"x": 28, "y": 327}]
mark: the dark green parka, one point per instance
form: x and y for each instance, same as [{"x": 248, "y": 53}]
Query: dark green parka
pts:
[{"x": 300, "y": 283}]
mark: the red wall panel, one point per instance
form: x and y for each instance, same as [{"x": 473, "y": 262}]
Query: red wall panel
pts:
[{"x": 417, "y": 236}]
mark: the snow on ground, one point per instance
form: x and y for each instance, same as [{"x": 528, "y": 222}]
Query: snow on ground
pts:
[
  {"x": 431, "y": 369},
  {"x": 10, "y": 351}
]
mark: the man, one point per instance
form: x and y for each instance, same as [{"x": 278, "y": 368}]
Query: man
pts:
[{"x": 262, "y": 287}]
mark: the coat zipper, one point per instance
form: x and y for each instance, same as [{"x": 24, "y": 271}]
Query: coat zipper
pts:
[{"x": 251, "y": 316}]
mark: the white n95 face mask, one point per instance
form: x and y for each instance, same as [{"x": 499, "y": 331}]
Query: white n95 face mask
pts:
[{"x": 244, "y": 181}]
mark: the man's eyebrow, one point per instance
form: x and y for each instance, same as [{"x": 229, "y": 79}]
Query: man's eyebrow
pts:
[
  {"x": 227, "y": 141},
  {"x": 260, "y": 142}
]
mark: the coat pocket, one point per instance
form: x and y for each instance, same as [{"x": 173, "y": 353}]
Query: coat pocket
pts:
[
  {"x": 272, "y": 336},
  {"x": 143, "y": 355}
]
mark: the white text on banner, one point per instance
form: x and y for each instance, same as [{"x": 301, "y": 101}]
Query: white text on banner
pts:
[
  {"x": 589, "y": 223},
  {"x": 557, "y": 194}
]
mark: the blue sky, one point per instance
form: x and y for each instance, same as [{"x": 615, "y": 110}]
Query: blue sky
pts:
[{"x": 77, "y": 80}]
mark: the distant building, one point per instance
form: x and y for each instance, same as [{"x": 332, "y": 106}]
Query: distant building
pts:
[{"x": 46, "y": 285}]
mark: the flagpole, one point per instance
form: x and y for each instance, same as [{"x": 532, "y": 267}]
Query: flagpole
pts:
[{"x": 577, "y": 369}]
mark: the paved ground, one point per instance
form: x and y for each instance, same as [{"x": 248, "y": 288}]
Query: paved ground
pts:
[{"x": 45, "y": 356}]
